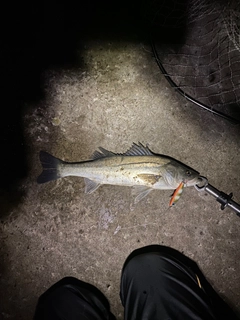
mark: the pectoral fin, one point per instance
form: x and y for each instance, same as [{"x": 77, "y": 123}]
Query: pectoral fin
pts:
[
  {"x": 90, "y": 185},
  {"x": 140, "y": 192}
]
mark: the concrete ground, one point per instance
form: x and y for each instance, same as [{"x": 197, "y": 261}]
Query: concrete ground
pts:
[{"x": 114, "y": 96}]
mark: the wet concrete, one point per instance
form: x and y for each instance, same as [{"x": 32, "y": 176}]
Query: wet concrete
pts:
[{"x": 114, "y": 96}]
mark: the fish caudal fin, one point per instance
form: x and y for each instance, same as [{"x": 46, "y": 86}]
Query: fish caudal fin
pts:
[{"x": 50, "y": 166}]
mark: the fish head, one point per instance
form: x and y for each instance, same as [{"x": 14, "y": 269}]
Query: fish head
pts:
[{"x": 176, "y": 172}]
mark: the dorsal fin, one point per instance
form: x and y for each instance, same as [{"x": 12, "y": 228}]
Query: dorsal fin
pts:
[
  {"x": 138, "y": 150},
  {"x": 135, "y": 150},
  {"x": 103, "y": 153}
]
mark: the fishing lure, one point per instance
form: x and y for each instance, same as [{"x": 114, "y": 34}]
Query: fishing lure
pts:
[{"x": 176, "y": 194}]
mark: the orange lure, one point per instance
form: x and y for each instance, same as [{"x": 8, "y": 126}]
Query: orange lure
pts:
[{"x": 176, "y": 195}]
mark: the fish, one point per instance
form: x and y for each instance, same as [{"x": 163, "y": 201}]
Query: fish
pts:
[
  {"x": 176, "y": 195},
  {"x": 138, "y": 167}
]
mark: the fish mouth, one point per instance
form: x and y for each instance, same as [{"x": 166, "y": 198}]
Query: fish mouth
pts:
[
  {"x": 193, "y": 182},
  {"x": 203, "y": 181}
]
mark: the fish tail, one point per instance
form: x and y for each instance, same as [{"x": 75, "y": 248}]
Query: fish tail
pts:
[{"x": 50, "y": 166}]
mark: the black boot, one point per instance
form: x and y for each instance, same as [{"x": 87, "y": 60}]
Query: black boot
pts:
[
  {"x": 160, "y": 283},
  {"x": 72, "y": 299}
]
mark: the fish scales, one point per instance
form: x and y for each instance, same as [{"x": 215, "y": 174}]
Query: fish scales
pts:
[
  {"x": 123, "y": 170},
  {"x": 118, "y": 170},
  {"x": 138, "y": 167}
]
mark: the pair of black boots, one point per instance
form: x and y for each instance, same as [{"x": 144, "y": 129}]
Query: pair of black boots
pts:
[{"x": 157, "y": 283}]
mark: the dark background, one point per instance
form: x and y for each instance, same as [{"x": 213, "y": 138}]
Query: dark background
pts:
[{"x": 35, "y": 37}]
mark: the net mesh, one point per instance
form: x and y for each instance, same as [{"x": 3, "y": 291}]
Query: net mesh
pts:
[
  {"x": 231, "y": 19},
  {"x": 198, "y": 43}
]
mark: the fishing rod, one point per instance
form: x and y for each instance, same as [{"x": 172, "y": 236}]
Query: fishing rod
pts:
[{"x": 224, "y": 199}]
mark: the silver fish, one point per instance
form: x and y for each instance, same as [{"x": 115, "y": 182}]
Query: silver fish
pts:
[{"x": 138, "y": 167}]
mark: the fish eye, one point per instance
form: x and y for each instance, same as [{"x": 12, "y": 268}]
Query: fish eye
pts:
[{"x": 188, "y": 172}]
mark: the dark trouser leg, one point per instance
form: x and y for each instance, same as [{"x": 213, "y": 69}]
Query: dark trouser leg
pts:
[
  {"x": 161, "y": 283},
  {"x": 72, "y": 299}
]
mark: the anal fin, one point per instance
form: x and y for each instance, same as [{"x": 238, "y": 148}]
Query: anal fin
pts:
[{"x": 90, "y": 185}]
